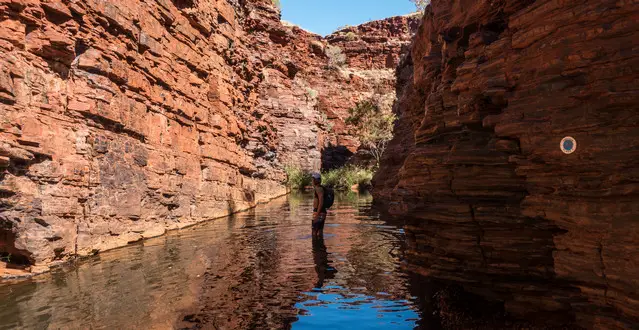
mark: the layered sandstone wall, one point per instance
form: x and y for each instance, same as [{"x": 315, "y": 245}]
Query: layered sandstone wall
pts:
[
  {"x": 122, "y": 119},
  {"x": 307, "y": 95},
  {"x": 372, "y": 52},
  {"x": 491, "y": 201},
  {"x": 376, "y": 44}
]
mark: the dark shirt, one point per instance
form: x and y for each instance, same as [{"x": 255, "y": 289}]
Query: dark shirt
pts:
[{"x": 316, "y": 200}]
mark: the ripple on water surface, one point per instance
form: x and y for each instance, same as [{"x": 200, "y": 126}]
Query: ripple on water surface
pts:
[
  {"x": 340, "y": 308},
  {"x": 258, "y": 269}
]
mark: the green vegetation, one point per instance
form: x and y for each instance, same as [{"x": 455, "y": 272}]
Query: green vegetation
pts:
[
  {"x": 312, "y": 94},
  {"x": 351, "y": 36},
  {"x": 329, "y": 126},
  {"x": 297, "y": 178},
  {"x": 373, "y": 125},
  {"x": 277, "y": 4},
  {"x": 345, "y": 177},
  {"x": 339, "y": 179},
  {"x": 6, "y": 258},
  {"x": 325, "y": 123}
]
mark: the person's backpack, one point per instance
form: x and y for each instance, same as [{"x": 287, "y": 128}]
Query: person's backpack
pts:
[{"x": 329, "y": 197}]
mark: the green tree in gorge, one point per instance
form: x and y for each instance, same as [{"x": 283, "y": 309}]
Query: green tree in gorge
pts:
[{"x": 373, "y": 126}]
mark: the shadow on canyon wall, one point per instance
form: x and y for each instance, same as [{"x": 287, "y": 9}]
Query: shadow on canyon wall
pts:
[
  {"x": 335, "y": 157},
  {"x": 489, "y": 199}
]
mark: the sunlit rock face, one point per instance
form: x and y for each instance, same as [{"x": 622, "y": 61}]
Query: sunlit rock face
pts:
[
  {"x": 120, "y": 120},
  {"x": 489, "y": 91},
  {"x": 310, "y": 83}
]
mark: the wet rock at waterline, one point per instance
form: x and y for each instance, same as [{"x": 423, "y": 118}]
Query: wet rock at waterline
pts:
[{"x": 497, "y": 197}]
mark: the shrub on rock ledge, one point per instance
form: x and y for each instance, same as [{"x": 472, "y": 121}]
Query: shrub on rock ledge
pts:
[
  {"x": 297, "y": 178},
  {"x": 344, "y": 178},
  {"x": 336, "y": 58}
]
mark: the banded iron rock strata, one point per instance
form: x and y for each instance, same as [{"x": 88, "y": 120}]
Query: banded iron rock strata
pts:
[
  {"x": 306, "y": 92},
  {"x": 485, "y": 97},
  {"x": 120, "y": 120}
]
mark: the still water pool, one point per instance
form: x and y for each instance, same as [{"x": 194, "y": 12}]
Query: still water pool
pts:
[{"x": 257, "y": 269}]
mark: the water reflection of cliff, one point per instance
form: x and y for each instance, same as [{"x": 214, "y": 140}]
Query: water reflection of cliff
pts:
[
  {"x": 140, "y": 286},
  {"x": 273, "y": 266},
  {"x": 258, "y": 269},
  {"x": 261, "y": 269},
  {"x": 506, "y": 269}
]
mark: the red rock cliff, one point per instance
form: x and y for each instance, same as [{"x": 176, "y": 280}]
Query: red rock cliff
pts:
[
  {"x": 486, "y": 95},
  {"x": 120, "y": 120},
  {"x": 311, "y": 82}
]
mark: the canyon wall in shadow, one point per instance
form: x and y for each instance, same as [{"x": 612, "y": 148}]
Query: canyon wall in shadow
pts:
[{"x": 485, "y": 97}]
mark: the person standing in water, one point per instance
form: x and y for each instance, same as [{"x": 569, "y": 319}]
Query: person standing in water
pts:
[{"x": 319, "y": 206}]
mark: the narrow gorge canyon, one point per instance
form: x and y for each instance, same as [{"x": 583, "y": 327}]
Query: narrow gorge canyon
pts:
[{"x": 121, "y": 120}]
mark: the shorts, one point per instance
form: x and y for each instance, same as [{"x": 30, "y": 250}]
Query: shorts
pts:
[{"x": 321, "y": 220}]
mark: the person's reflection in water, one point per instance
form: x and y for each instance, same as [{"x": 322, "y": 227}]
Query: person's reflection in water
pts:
[{"x": 322, "y": 266}]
